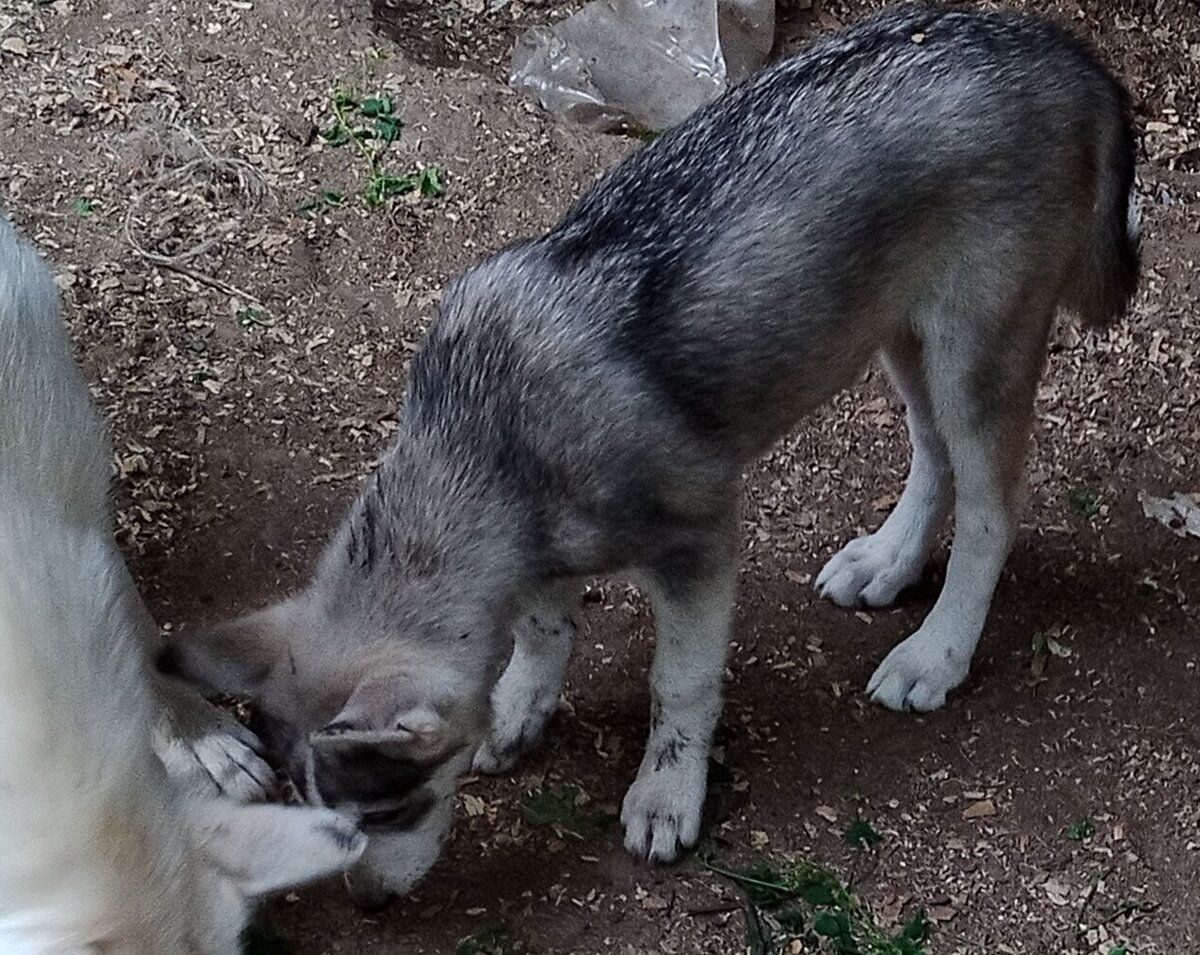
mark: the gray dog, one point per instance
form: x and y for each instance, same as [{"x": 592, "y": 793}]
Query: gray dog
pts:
[{"x": 930, "y": 187}]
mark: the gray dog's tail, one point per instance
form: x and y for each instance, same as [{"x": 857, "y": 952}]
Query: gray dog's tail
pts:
[{"x": 1108, "y": 270}]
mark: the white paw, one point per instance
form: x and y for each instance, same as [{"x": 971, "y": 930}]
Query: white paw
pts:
[
  {"x": 661, "y": 811},
  {"x": 870, "y": 572},
  {"x": 223, "y": 761},
  {"x": 517, "y": 727},
  {"x": 918, "y": 673}
]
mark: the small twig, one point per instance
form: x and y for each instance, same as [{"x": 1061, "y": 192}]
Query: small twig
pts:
[
  {"x": 723, "y": 909},
  {"x": 758, "y": 935},
  {"x": 168, "y": 261},
  {"x": 959, "y": 939},
  {"x": 249, "y": 181},
  {"x": 1125, "y": 908},
  {"x": 218, "y": 284},
  {"x": 1080, "y": 928}
]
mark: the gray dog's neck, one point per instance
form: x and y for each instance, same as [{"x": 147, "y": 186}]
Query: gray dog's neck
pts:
[{"x": 430, "y": 549}]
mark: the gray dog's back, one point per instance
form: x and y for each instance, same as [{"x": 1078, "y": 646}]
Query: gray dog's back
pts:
[{"x": 927, "y": 169}]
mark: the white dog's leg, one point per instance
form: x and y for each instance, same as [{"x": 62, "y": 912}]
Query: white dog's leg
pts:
[
  {"x": 526, "y": 695},
  {"x": 205, "y": 750},
  {"x": 662, "y": 809},
  {"x": 872, "y": 570}
]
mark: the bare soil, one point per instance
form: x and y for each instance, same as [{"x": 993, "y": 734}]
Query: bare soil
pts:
[{"x": 251, "y": 384}]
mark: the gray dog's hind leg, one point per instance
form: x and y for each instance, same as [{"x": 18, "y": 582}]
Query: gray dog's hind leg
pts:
[
  {"x": 872, "y": 570},
  {"x": 526, "y": 695},
  {"x": 983, "y": 392}
]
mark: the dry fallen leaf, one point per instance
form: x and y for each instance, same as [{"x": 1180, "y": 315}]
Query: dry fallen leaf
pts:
[
  {"x": 14, "y": 45},
  {"x": 980, "y": 809},
  {"x": 1058, "y": 891},
  {"x": 1179, "y": 513}
]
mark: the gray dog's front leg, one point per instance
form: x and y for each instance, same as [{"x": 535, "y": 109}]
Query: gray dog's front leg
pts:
[
  {"x": 661, "y": 811},
  {"x": 526, "y": 695}
]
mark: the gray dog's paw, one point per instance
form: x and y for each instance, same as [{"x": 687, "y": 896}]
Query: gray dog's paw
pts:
[
  {"x": 661, "y": 812},
  {"x": 218, "y": 764},
  {"x": 512, "y": 738},
  {"x": 871, "y": 571},
  {"x": 208, "y": 752},
  {"x": 919, "y": 672}
]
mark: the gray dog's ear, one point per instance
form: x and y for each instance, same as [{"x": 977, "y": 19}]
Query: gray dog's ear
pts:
[
  {"x": 235, "y": 657},
  {"x": 393, "y": 709},
  {"x": 385, "y": 744}
]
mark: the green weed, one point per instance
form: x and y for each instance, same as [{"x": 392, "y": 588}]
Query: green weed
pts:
[
  {"x": 862, "y": 835},
  {"x": 1085, "y": 500},
  {"x": 250, "y": 316},
  {"x": 371, "y": 125},
  {"x": 325, "y": 201},
  {"x": 1080, "y": 830}
]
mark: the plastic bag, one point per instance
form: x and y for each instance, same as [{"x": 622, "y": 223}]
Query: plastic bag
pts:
[{"x": 642, "y": 64}]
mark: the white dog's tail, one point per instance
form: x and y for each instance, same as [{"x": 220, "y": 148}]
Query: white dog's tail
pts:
[{"x": 53, "y": 441}]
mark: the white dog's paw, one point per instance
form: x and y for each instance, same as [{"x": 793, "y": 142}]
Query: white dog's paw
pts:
[
  {"x": 870, "y": 572},
  {"x": 918, "y": 673},
  {"x": 661, "y": 812}
]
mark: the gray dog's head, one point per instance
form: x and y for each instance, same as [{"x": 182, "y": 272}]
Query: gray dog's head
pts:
[{"x": 372, "y": 728}]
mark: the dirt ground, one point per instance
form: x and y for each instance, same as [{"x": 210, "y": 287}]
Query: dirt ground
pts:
[{"x": 250, "y": 359}]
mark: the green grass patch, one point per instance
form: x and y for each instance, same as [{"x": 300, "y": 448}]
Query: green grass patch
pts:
[
  {"x": 564, "y": 809},
  {"x": 785, "y": 901},
  {"x": 491, "y": 941},
  {"x": 261, "y": 938}
]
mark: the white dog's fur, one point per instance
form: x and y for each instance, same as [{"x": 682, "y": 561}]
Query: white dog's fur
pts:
[{"x": 100, "y": 849}]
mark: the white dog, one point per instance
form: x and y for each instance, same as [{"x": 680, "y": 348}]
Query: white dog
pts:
[{"x": 101, "y": 850}]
